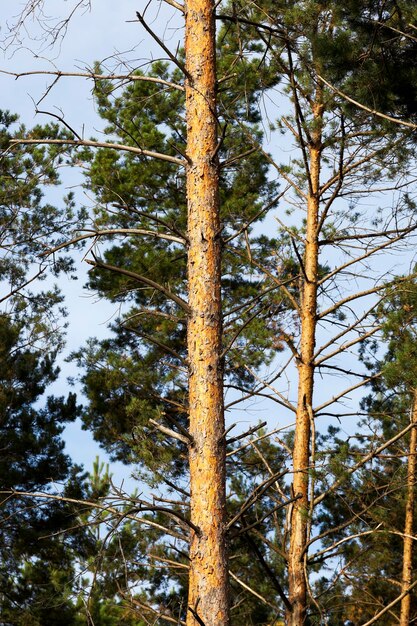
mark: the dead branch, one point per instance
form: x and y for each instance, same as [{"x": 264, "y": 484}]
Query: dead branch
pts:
[
  {"x": 172, "y": 57},
  {"x": 94, "y": 76},
  {"x": 247, "y": 433},
  {"x": 350, "y": 470},
  {"x": 141, "y": 279},
  {"x": 253, "y": 592},
  {"x": 98, "y": 144},
  {"x": 375, "y": 112},
  {"x": 343, "y": 393},
  {"x": 169, "y": 432}
]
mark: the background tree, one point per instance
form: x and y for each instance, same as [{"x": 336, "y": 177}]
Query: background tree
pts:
[
  {"x": 37, "y": 568},
  {"x": 338, "y": 146},
  {"x": 379, "y": 566}
]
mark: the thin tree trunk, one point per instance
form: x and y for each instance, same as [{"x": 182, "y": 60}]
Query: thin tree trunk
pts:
[
  {"x": 408, "y": 524},
  {"x": 208, "y": 601},
  {"x": 302, "y": 442}
]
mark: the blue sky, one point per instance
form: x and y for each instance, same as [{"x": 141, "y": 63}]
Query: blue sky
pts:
[{"x": 102, "y": 33}]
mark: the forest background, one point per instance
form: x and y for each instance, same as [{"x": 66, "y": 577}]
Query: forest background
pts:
[{"x": 313, "y": 109}]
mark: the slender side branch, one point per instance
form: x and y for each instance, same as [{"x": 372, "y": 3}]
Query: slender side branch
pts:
[
  {"x": 113, "y": 231},
  {"x": 93, "y": 505},
  {"x": 176, "y": 5},
  {"x": 142, "y": 279},
  {"x": 160, "y": 43},
  {"x": 95, "y": 76},
  {"x": 343, "y": 393},
  {"x": 347, "y": 345},
  {"x": 350, "y": 470},
  {"x": 367, "y": 254},
  {"x": 375, "y": 112},
  {"x": 247, "y": 433},
  {"x": 390, "y": 605},
  {"x": 88, "y": 143},
  {"x": 169, "y": 432},
  {"x": 341, "y": 334},
  {"x": 362, "y": 294},
  {"x": 252, "y": 591}
]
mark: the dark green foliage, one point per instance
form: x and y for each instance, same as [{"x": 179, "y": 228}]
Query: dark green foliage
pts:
[
  {"x": 29, "y": 225},
  {"x": 370, "y": 504},
  {"x": 36, "y": 566},
  {"x": 140, "y": 373},
  {"x": 382, "y": 75}
]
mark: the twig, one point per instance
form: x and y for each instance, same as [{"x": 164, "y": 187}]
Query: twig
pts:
[
  {"x": 162, "y": 45},
  {"x": 94, "y": 76}
]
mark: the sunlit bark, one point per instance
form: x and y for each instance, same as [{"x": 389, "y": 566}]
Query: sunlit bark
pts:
[
  {"x": 208, "y": 582},
  {"x": 407, "y": 574},
  {"x": 302, "y": 442}
]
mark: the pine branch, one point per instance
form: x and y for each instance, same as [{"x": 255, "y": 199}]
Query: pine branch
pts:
[
  {"x": 142, "y": 279},
  {"x": 98, "y": 144},
  {"x": 95, "y": 76},
  {"x": 350, "y": 470},
  {"x": 375, "y": 112}
]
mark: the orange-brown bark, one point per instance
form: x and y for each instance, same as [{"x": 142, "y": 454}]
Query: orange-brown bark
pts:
[
  {"x": 208, "y": 581},
  {"x": 297, "y": 583},
  {"x": 407, "y": 573}
]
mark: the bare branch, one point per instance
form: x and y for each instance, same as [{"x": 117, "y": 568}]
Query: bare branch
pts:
[
  {"x": 20, "y": 287},
  {"x": 253, "y": 592},
  {"x": 160, "y": 43},
  {"x": 375, "y": 112},
  {"x": 390, "y": 605},
  {"x": 90, "y": 504},
  {"x": 176, "y": 5},
  {"x": 94, "y": 76},
  {"x": 152, "y": 611},
  {"x": 369, "y": 253},
  {"x": 350, "y": 470},
  {"x": 366, "y": 292},
  {"x": 87, "y": 143},
  {"x": 144, "y": 280},
  {"x": 341, "y": 334},
  {"x": 247, "y": 433},
  {"x": 113, "y": 231},
  {"x": 347, "y": 345},
  {"x": 343, "y": 393},
  {"x": 340, "y": 542},
  {"x": 256, "y": 494},
  {"x": 169, "y": 432}
]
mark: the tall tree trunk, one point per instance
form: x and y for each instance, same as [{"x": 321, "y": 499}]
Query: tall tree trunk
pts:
[
  {"x": 301, "y": 452},
  {"x": 408, "y": 523},
  {"x": 208, "y": 601}
]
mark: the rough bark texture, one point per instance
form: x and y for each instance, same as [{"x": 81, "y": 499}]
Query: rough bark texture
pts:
[
  {"x": 301, "y": 452},
  {"x": 208, "y": 583},
  {"x": 407, "y": 575}
]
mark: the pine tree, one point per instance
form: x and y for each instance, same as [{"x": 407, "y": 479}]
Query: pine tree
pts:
[
  {"x": 140, "y": 373},
  {"x": 338, "y": 146},
  {"x": 383, "y": 560},
  {"x": 36, "y": 566}
]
